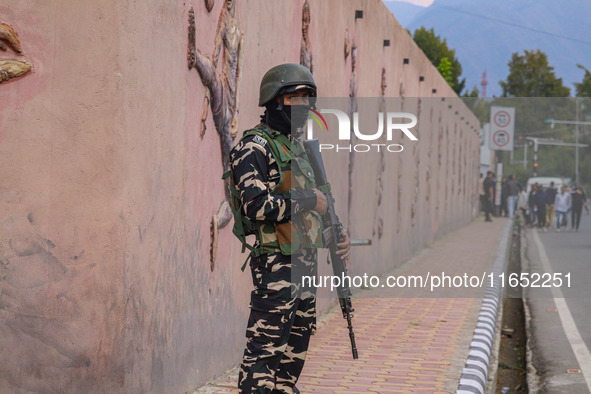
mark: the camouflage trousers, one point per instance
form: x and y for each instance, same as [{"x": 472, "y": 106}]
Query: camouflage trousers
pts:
[{"x": 282, "y": 318}]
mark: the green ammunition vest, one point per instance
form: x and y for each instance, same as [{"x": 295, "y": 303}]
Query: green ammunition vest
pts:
[{"x": 274, "y": 237}]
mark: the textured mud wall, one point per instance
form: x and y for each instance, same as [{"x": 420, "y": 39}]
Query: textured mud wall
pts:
[{"x": 107, "y": 189}]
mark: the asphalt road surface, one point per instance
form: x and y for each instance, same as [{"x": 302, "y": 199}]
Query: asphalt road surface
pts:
[{"x": 560, "y": 309}]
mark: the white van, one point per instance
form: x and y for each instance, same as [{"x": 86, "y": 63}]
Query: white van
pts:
[{"x": 545, "y": 182}]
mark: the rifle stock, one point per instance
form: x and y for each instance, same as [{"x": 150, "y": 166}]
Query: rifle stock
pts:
[{"x": 332, "y": 236}]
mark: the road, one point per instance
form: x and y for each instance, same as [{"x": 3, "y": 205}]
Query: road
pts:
[{"x": 560, "y": 326}]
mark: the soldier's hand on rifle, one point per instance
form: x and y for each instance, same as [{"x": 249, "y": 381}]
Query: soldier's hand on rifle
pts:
[
  {"x": 321, "y": 204},
  {"x": 344, "y": 247}
]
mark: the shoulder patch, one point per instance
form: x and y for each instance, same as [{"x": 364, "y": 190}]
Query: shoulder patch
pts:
[{"x": 260, "y": 140}]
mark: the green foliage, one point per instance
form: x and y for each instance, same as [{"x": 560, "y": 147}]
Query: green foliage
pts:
[
  {"x": 474, "y": 93},
  {"x": 584, "y": 88},
  {"x": 530, "y": 116},
  {"x": 480, "y": 107},
  {"x": 444, "y": 69},
  {"x": 530, "y": 75},
  {"x": 585, "y": 138},
  {"x": 436, "y": 49}
]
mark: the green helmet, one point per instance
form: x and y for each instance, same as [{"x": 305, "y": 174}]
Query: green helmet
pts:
[{"x": 289, "y": 75}]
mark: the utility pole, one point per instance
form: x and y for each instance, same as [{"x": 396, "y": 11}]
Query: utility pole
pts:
[
  {"x": 576, "y": 122},
  {"x": 577, "y": 139},
  {"x": 535, "y": 156}
]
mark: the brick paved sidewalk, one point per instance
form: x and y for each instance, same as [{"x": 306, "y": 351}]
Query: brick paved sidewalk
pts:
[{"x": 405, "y": 345}]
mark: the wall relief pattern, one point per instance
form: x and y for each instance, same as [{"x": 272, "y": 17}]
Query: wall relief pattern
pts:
[
  {"x": 378, "y": 220},
  {"x": 11, "y": 68},
  {"x": 222, "y": 85},
  {"x": 222, "y": 95},
  {"x": 352, "y": 110},
  {"x": 306, "y": 57}
]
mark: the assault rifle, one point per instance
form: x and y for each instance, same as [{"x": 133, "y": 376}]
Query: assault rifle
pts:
[{"x": 332, "y": 236}]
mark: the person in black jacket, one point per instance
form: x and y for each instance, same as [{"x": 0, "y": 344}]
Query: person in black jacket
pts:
[
  {"x": 578, "y": 201},
  {"x": 531, "y": 205},
  {"x": 550, "y": 198},
  {"x": 540, "y": 207}
]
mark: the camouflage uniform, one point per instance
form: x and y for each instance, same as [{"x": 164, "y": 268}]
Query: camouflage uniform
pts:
[{"x": 282, "y": 314}]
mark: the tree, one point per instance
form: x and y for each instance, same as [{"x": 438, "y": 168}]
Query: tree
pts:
[
  {"x": 444, "y": 69},
  {"x": 530, "y": 75},
  {"x": 474, "y": 93},
  {"x": 436, "y": 49},
  {"x": 584, "y": 88}
]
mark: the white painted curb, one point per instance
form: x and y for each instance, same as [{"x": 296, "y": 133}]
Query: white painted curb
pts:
[{"x": 474, "y": 378}]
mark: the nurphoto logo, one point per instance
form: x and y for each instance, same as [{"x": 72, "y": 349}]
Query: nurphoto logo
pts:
[{"x": 395, "y": 121}]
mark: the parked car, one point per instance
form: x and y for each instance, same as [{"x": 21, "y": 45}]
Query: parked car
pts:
[{"x": 545, "y": 182}]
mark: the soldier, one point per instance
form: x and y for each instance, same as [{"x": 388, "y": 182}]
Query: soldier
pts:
[{"x": 275, "y": 198}]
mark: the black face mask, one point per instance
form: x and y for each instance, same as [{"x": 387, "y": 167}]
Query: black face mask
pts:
[
  {"x": 284, "y": 118},
  {"x": 299, "y": 115}
]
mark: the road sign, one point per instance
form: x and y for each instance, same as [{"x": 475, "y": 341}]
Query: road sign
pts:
[
  {"x": 502, "y": 118},
  {"x": 502, "y": 128},
  {"x": 501, "y": 138}
]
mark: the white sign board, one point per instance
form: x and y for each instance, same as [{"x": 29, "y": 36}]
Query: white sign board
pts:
[{"x": 502, "y": 128}]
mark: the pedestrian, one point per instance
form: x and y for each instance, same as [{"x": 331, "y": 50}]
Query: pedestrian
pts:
[
  {"x": 514, "y": 190},
  {"x": 488, "y": 185},
  {"x": 504, "y": 197},
  {"x": 550, "y": 198},
  {"x": 531, "y": 205},
  {"x": 562, "y": 204},
  {"x": 569, "y": 191},
  {"x": 493, "y": 206},
  {"x": 481, "y": 193},
  {"x": 578, "y": 201},
  {"x": 522, "y": 204},
  {"x": 540, "y": 207},
  {"x": 266, "y": 204}
]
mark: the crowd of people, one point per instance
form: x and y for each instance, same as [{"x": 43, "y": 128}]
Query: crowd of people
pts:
[{"x": 543, "y": 207}]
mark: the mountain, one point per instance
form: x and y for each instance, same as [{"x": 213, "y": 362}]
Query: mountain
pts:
[
  {"x": 485, "y": 33},
  {"x": 404, "y": 12}
]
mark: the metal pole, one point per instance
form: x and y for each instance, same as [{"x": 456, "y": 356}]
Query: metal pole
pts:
[
  {"x": 525, "y": 156},
  {"x": 535, "y": 156},
  {"x": 547, "y": 141},
  {"x": 577, "y": 140},
  {"x": 567, "y": 122}
]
